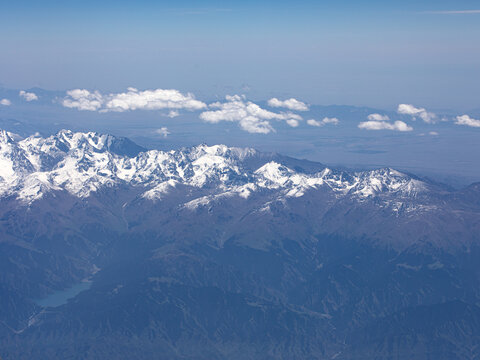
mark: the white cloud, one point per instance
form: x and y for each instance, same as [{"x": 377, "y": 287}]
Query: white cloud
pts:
[
  {"x": 313, "y": 122},
  {"x": 423, "y": 114},
  {"x": 82, "y": 99},
  {"x": 467, "y": 121},
  {"x": 29, "y": 96},
  {"x": 293, "y": 122},
  {"x": 163, "y": 132},
  {"x": 5, "y": 102},
  {"x": 292, "y": 104},
  {"x": 253, "y": 125},
  {"x": 378, "y": 117},
  {"x": 333, "y": 121},
  {"x": 383, "y": 125},
  {"x": 409, "y": 109},
  {"x": 433, "y": 133},
  {"x": 133, "y": 99},
  {"x": 173, "y": 113},
  {"x": 250, "y": 116},
  {"x": 325, "y": 121},
  {"x": 152, "y": 100}
]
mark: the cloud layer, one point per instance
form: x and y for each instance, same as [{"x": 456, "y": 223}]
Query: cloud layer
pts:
[
  {"x": 251, "y": 117},
  {"x": 132, "y": 99},
  {"x": 236, "y": 108},
  {"x": 28, "y": 96},
  {"x": 291, "y": 104},
  {"x": 5, "y": 102},
  {"x": 467, "y": 121}
]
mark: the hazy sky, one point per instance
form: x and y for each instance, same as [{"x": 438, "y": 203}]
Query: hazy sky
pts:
[{"x": 375, "y": 53}]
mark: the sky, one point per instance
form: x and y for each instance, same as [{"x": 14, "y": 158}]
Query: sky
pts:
[
  {"x": 368, "y": 53},
  {"x": 347, "y": 83}
]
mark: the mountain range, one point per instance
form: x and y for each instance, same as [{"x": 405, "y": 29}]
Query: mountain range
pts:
[{"x": 214, "y": 252}]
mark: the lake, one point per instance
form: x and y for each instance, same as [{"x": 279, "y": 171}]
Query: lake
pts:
[{"x": 61, "y": 297}]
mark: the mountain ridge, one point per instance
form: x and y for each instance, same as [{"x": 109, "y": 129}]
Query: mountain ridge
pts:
[
  {"x": 102, "y": 160},
  {"x": 89, "y": 166}
]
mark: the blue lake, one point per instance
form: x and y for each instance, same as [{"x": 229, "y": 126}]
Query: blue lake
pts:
[{"x": 62, "y": 296}]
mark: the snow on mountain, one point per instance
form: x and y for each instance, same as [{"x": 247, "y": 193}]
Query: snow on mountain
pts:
[
  {"x": 82, "y": 163},
  {"x": 14, "y": 164},
  {"x": 158, "y": 191}
]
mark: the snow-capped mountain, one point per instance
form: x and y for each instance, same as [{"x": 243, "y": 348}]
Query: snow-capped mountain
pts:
[{"x": 82, "y": 163}]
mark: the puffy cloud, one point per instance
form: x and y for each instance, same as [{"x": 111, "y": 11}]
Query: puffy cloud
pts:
[
  {"x": 383, "y": 125},
  {"x": 133, "y": 99},
  {"x": 378, "y": 117},
  {"x": 467, "y": 121},
  {"x": 313, "y": 122},
  {"x": 173, "y": 113},
  {"x": 325, "y": 121},
  {"x": 82, "y": 99},
  {"x": 253, "y": 125},
  {"x": 29, "y": 96},
  {"x": 382, "y": 122},
  {"x": 152, "y": 100},
  {"x": 250, "y": 116},
  {"x": 428, "y": 117},
  {"x": 333, "y": 121},
  {"x": 162, "y": 132},
  {"x": 293, "y": 122},
  {"x": 423, "y": 114},
  {"x": 409, "y": 109},
  {"x": 292, "y": 104},
  {"x": 5, "y": 102}
]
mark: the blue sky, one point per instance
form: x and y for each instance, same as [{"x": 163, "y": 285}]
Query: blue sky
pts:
[
  {"x": 375, "y": 53},
  {"x": 410, "y": 69}
]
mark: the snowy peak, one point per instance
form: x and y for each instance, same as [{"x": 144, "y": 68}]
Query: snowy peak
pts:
[
  {"x": 388, "y": 180},
  {"x": 90, "y": 140},
  {"x": 6, "y": 137},
  {"x": 93, "y": 141},
  {"x": 233, "y": 153},
  {"x": 275, "y": 172},
  {"x": 14, "y": 163}
]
